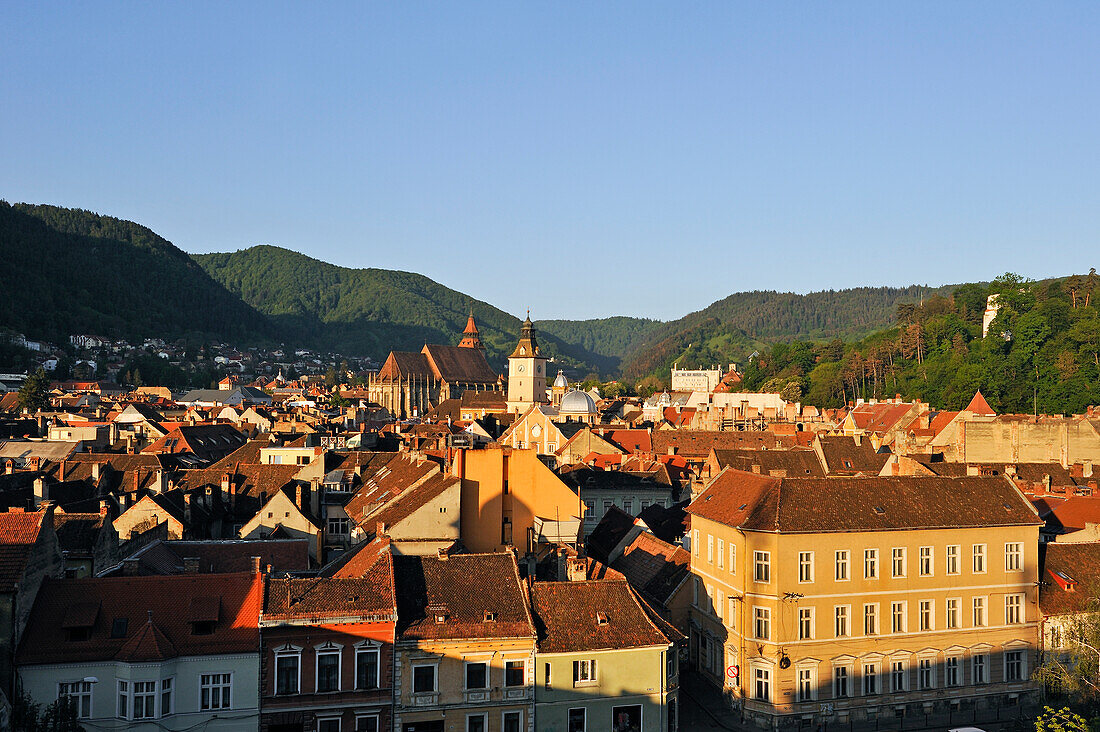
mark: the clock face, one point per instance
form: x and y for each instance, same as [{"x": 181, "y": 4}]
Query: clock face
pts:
[
  {"x": 538, "y": 369},
  {"x": 519, "y": 368}
]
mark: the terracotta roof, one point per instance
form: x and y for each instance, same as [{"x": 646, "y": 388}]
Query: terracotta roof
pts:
[
  {"x": 629, "y": 440},
  {"x": 978, "y": 405},
  {"x": 463, "y": 590},
  {"x": 77, "y": 532},
  {"x": 369, "y": 597},
  {"x": 401, "y": 364},
  {"x": 881, "y": 417},
  {"x": 654, "y": 567},
  {"x": 221, "y": 556},
  {"x": 844, "y": 457},
  {"x": 149, "y": 614},
  {"x": 699, "y": 443},
  {"x": 791, "y": 463},
  {"x": 457, "y": 364},
  {"x": 1074, "y": 513},
  {"x": 247, "y": 453},
  {"x": 609, "y": 532},
  {"x": 20, "y": 527},
  {"x": 413, "y": 500},
  {"x": 826, "y": 505},
  {"x": 1077, "y": 562},
  {"x": 593, "y": 615},
  {"x": 385, "y": 483}
]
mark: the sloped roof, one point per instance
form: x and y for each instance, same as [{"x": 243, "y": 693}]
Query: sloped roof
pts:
[
  {"x": 455, "y": 364},
  {"x": 699, "y": 443},
  {"x": 978, "y": 405},
  {"x": 401, "y": 364},
  {"x": 161, "y": 601},
  {"x": 369, "y": 597},
  {"x": 18, "y": 534},
  {"x": 592, "y": 615},
  {"x": 1079, "y": 562},
  {"x": 654, "y": 567},
  {"x": 413, "y": 500},
  {"x": 794, "y": 462},
  {"x": 462, "y": 588},
  {"x": 844, "y": 457},
  {"x": 828, "y": 505}
]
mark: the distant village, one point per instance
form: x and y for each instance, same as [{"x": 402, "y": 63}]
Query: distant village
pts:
[{"x": 430, "y": 546}]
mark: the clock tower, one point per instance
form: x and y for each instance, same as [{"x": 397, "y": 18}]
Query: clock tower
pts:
[{"x": 526, "y": 371}]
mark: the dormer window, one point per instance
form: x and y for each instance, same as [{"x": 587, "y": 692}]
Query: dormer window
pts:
[
  {"x": 601, "y": 619},
  {"x": 490, "y": 616},
  {"x": 203, "y": 615},
  {"x": 79, "y": 620}
]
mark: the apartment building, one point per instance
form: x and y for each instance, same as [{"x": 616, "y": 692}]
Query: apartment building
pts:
[{"x": 842, "y": 599}]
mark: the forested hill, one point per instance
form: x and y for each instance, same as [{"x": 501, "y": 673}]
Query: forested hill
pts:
[
  {"x": 370, "y": 311},
  {"x": 730, "y": 329},
  {"x": 612, "y": 339},
  {"x": 71, "y": 271}
]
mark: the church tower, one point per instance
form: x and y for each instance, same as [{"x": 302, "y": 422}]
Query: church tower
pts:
[
  {"x": 470, "y": 337},
  {"x": 526, "y": 371}
]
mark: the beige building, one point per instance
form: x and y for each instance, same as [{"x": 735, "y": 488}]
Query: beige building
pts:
[{"x": 849, "y": 599}]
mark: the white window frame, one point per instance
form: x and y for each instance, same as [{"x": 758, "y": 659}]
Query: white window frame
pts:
[
  {"x": 695, "y": 542},
  {"x": 375, "y": 717},
  {"x": 952, "y": 664},
  {"x": 979, "y": 611},
  {"x": 926, "y": 615},
  {"x": 871, "y": 625},
  {"x": 145, "y": 694},
  {"x": 364, "y": 648},
  {"x": 926, "y": 564},
  {"x": 523, "y": 667},
  {"x": 171, "y": 691},
  {"x": 288, "y": 652},
  {"x": 83, "y": 690},
  {"x": 806, "y": 622},
  {"x": 591, "y": 678},
  {"x": 903, "y": 616},
  {"x": 952, "y": 613},
  {"x": 216, "y": 682},
  {"x": 805, "y": 567},
  {"x": 733, "y": 558},
  {"x": 843, "y": 568},
  {"x": 925, "y": 681},
  {"x": 584, "y": 714},
  {"x": 842, "y": 621},
  {"x": 762, "y": 674},
  {"x": 810, "y": 680},
  {"x": 509, "y": 712},
  {"x": 466, "y": 674},
  {"x": 721, "y": 554},
  {"x": 328, "y": 649},
  {"x": 977, "y": 559},
  {"x": 762, "y": 567},
  {"x": 870, "y": 563},
  {"x": 843, "y": 672},
  {"x": 898, "y": 559},
  {"x": 761, "y": 618},
  {"x": 951, "y": 559},
  {"x": 484, "y": 716},
  {"x": 710, "y": 548},
  {"x": 899, "y": 670},
  {"x": 328, "y": 717},
  {"x": 435, "y": 678},
  {"x": 1014, "y": 608},
  {"x": 979, "y": 660},
  {"x": 875, "y": 676},
  {"x": 1014, "y": 556}
]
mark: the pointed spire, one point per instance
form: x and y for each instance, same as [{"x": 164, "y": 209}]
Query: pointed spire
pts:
[
  {"x": 470, "y": 337},
  {"x": 527, "y": 345},
  {"x": 978, "y": 405}
]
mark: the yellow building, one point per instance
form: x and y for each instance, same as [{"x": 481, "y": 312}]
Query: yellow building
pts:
[
  {"x": 848, "y": 599},
  {"x": 511, "y": 499},
  {"x": 465, "y": 648}
]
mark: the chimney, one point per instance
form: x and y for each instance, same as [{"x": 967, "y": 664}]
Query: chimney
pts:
[
  {"x": 159, "y": 482},
  {"x": 61, "y": 471},
  {"x": 112, "y": 433},
  {"x": 190, "y": 565},
  {"x": 256, "y": 565},
  {"x": 33, "y": 463},
  {"x": 441, "y": 554},
  {"x": 576, "y": 569},
  {"x": 757, "y": 469},
  {"x": 39, "y": 491},
  {"x": 859, "y": 440},
  {"x": 96, "y": 468},
  {"x": 187, "y": 508},
  {"x": 973, "y": 470},
  {"x": 103, "y": 508},
  {"x": 130, "y": 567},
  {"x": 1086, "y": 471},
  {"x": 298, "y": 494}
]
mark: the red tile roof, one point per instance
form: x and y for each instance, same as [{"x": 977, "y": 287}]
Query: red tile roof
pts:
[
  {"x": 154, "y": 612},
  {"x": 838, "y": 504},
  {"x": 1077, "y": 562},
  {"x": 978, "y": 405},
  {"x": 592, "y": 615}
]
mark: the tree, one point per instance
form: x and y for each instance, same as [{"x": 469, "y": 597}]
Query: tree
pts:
[
  {"x": 34, "y": 395},
  {"x": 1062, "y": 720}
]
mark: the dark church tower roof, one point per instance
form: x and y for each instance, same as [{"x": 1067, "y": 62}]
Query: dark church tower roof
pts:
[
  {"x": 470, "y": 337},
  {"x": 527, "y": 345}
]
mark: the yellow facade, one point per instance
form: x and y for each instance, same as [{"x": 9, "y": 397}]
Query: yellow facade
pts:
[
  {"x": 507, "y": 495},
  {"x": 865, "y": 624}
]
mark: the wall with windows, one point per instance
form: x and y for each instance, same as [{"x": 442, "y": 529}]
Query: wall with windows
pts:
[
  {"x": 219, "y": 692},
  {"x": 597, "y": 690},
  {"x": 476, "y": 686},
  {"x": 919, "y": 616}
]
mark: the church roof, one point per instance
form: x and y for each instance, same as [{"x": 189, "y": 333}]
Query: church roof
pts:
[
  {"x": 402, "y": 364},
  {"x": 470, "y": 337},
  {"x": 455, "y": 364}
]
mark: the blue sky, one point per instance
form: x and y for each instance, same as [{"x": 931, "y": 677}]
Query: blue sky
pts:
[{"x": 584, "y": 159}]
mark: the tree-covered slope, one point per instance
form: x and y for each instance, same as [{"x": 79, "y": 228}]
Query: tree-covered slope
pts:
[
  {"x": 368, "y": 311},
  {"x": 730, "y": 329},
  {"x": 69, "y": 271},
  {"x": 608, "y": 340}
]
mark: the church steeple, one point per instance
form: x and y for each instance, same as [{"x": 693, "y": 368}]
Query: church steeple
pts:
[
  {"x": 527, "y": 345},
  {"x": 470, "y": 337}
]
